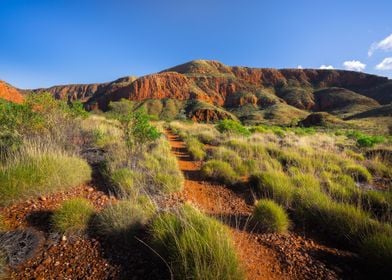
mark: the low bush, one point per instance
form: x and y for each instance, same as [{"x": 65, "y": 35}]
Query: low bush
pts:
[
  {"x": 231, "y": 126},
  {"x": 195, "y": 148},
  {"x": 121, "y": 220},
  {"x": 231, "y": 157},
  {"x": 220, "y": 171},
  {"x": 275, "y": 185},
  {"x": 271, "y": 216},
  {"x": 34, "y": 172},
  {"x": 196, "y": 246},
  {"x": 73, "y": 215}
]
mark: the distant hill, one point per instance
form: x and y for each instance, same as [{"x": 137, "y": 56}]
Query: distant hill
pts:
[
  {"x": 10, "y": 93},
  {"x": 252, "y": 94}
]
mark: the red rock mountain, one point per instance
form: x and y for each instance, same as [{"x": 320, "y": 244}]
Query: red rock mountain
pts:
[
  {"x": 233, "y": 87},
  {"x": 10, "y": 93}
]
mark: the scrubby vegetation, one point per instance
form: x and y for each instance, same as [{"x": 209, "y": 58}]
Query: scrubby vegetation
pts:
[
  {"x": 322, "y": 178},
  {"x": 120, "y": 221},
  {"x": 73, "y": 215},
  {"x": 197, "y": 247},
  {"x": 271, "y": 216}
]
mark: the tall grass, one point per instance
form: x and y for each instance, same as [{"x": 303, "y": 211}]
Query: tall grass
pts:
[
  {"x": 196, "y": 246},
  {"x": 36, "y": 170}
]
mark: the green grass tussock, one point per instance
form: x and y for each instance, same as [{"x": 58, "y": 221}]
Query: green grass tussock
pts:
[
  {"x": 195, "y": 148},
  {"x": 123, "y": 219},
  {"x": 275, "y": 185},
  {"x": 35, "y": 172},
  {"x": 232, "y": 126},
  {"x": 73, "y": 215},
  {"x": 125, "y": 182},
  {"x": 358, "y": 172},
  {"x": 376, "y": 250},
  {"x": 162, "y": 167},
  {"x": 196, "y": 246},
  {"x": 271, "y": 216},
  {"x": 220, "y": 171}
]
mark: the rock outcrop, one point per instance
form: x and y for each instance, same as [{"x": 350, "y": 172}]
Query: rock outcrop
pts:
[{"x": 10, "y": 93}]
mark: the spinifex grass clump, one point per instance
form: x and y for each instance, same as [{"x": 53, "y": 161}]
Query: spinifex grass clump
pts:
[
  {"x": 73, "y": 215},
  {"x": 196, "y": 246},
  {"x": 220, "y": 171},
  {"x": 275, "y": 185},
  {"x": 270, "y": 216},
  {"x": 121, "y": 220},
  {"x": 36, "y": 171},
  {"x": 162, "y": 167},
  {"x": 376, "y": 249},
  {"x": 195, "y": 148}
]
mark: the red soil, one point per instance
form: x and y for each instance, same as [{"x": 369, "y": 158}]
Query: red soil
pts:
[{"x": 263, "y": 256}]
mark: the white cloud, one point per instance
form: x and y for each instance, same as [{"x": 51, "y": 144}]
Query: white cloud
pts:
[
  {"x": 326, "y": 67},
  {"x": 300, "y": 67},
  {"x": 386, "y": 64},
  {"x": 385, "y": 45},
  {"x": 354, "y": 65}
]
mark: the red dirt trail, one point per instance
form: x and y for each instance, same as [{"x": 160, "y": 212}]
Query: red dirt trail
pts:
[{"x": 263, "y": 256}]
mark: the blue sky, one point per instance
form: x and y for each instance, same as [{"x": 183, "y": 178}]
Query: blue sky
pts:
[{"x": 43, "y": 43}]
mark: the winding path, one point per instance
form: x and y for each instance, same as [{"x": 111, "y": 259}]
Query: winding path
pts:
[{"x": 259, "y": 261}]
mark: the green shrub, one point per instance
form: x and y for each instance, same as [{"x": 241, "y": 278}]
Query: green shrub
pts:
[
  {"x": 232, "y": 126},
  {"x": 35, "y": 172},
  {"x": 195, "y": 148},
  {"x": 364, "y": 140},
  {"x": 358, "y": 172},
  {"x": 376, "y": 249},
  {"x": 73, "y": 215},
  {"x": 271, "y": 216},
  {"x": 275, "y": 185},
  {"x": 220, "y": 171},
  {"x": 196, "y": 246},
  {"x": 123, "y": 219}
]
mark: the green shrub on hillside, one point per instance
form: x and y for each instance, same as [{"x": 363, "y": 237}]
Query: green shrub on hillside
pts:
[
  {"x": 73, "y": 215},
  {"x": 35, "y": 172},
  {"x": 232, "y": 126},
  {"x": 220, "y": 171},
  {"x": 196, "y": 246},
  {"x": 271, "y": 216}
]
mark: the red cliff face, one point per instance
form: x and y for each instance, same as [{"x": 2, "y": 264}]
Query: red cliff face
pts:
[
  {"x": 10, "y": 93},
  {"x": 216, "y": 83}
]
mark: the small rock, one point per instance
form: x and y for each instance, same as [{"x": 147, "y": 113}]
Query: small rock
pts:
[
  {"x": 42, "y": 198},
  {"x": 57, "y": 263},
  {"x": 63, "y": 238},
  {"x": 90, "y": 189}
]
